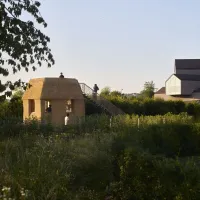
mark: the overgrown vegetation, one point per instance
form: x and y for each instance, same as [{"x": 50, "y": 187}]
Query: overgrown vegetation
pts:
[
  {"x": 159, "y": 159},
  {"x": 150, "y": 106},
  {"x": 11, "y": 109},
  {"x": 125, "y": 157},
  {"x": 144, "y": 104}
]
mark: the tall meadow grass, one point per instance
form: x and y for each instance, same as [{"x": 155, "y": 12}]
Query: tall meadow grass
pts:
[{"x": 126, "y": 157}]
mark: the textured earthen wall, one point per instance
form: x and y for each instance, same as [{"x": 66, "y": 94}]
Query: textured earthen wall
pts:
[
  {"x": 25, "y": 109},
  {"x": 59, "y": 111},
  {"x": 42, "y": 109},
  {"x": 79, "y": 107},
  {"x": 38, "y": 109},
  {"x": 35, "y": 90},
  {"x": 57, "y": 91}
]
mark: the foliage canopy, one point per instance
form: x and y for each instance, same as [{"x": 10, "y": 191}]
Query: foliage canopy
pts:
[
  {"x": 148, "y": 90},
  {"x": 22, "y": 45}
]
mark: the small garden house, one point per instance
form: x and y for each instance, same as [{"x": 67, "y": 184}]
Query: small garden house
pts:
[{"x": 53, "y": 98}]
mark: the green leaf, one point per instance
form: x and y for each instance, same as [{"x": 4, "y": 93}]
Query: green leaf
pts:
[
  {"x": 37, "y": 3},
  {"x": 21, "y": 42}
]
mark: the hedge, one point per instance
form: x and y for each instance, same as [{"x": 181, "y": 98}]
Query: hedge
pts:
[{"x": 154, "y": 106}]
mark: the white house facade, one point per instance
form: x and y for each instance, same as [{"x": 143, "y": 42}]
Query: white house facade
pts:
[{"x": 173, "y": 86}]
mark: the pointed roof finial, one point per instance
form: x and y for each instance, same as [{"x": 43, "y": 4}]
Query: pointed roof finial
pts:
[{"x": 61, "y": 75}]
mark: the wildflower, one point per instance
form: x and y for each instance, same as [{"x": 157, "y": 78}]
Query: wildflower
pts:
[
  {"x": 24, "y": 192},
  {"x": 5, "y": 189}
]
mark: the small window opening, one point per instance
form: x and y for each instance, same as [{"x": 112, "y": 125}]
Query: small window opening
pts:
[
  {"x": 69, "y": 106},
  {"x": 31, "y": 106},
  {"x": 48, "y": 107}
]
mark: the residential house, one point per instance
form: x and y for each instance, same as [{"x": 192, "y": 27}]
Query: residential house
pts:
[{"x": 184, "y": 83}]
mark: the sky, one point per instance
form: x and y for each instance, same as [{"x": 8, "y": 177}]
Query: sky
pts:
[{"x": 119, "y": 43}]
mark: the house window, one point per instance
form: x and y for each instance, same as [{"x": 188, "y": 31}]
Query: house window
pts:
[
  {"x": 31, "y": 106},
  {"x": 69, "y": 106},
  {"x": 47, "y": 106}
]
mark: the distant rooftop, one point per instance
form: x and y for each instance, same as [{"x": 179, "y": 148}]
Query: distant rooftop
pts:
[
  {"x": 187, "y": 63},
  {"x": 161, "y": 91}
]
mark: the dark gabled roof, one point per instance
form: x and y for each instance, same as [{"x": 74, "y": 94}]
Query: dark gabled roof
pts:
[
  {"x": 188, "y": 77},
  {"x": 187, "y": 63},
  {"x": 161, "y": 91}
]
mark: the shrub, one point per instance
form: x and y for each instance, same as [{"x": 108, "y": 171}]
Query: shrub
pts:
[
  {"x": 10, "y": 109},
  {"x": 153, "y": 107},
  {"x": 143, "y": 176}
]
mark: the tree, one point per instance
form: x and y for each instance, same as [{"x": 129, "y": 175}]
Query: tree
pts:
[
  {"x": 17, "y": 93},
  {"x": 21, "y": 44},
  {"x": 116, "y": 93},
  {"x": 105, "y": 91},
  {"x": 148, "y": 90}
]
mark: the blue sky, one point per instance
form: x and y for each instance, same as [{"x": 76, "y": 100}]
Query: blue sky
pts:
[{"x": 119, "y": 43}]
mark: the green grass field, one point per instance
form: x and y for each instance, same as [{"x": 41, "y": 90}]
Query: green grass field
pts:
[{"x": 157, "y": 158}]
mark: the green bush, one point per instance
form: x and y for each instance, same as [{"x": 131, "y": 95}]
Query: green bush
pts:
[
  {"x": 10, "y": 109},
  {"x": 144, "y": 176},
  {"x": 154, "y": 106},
  {"x": 171, "y": 140}
]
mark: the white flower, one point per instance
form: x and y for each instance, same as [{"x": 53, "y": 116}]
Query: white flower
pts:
[
  {"x": 24, "y": 193},
  {"x": 6, "y": 189}
]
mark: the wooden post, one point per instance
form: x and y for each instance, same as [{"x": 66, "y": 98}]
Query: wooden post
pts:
[{"x": 138, "y": 122}]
